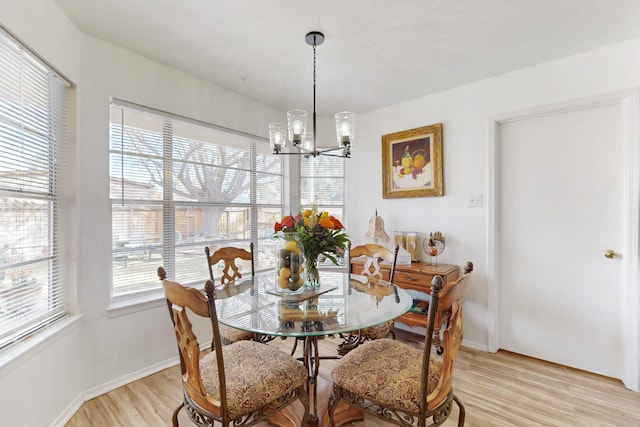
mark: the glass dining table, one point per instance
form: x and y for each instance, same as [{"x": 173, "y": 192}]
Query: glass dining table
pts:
[{"x": 341, "y": 304}]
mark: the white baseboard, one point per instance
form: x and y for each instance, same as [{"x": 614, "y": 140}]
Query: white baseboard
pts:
[
  {"x": 68, "y": 412},
  {"x": 129, "y": 378},
  {"x": 94, "y": 392},
  {"x": 475, "y": 345},
  {"x": 73, "y": 407}
]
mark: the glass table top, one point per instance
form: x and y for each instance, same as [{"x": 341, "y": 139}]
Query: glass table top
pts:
[{"x": 343, "y": 303}]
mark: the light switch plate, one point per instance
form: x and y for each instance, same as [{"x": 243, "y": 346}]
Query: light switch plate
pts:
[{"x": 474, "y": 200}]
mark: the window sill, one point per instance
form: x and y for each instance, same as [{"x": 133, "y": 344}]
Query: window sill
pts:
[
  {"x": 11, "y": 357},
  {"x": 150, "y": 300},
  {"x": 134, "y": 305}
]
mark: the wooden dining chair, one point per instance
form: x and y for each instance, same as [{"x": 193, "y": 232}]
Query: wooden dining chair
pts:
[
  {"x": 374, "y": 254},
  {"x": 400, "y": 383},
  {"x": 231, "y": 271},
  {"x": 241, "y": 383}
]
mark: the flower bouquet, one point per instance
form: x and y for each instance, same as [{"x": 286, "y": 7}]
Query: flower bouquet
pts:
[{"x": 317, "y": 233}]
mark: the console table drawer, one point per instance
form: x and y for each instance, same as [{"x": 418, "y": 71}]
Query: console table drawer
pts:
[{"x": 410, "y": 280}]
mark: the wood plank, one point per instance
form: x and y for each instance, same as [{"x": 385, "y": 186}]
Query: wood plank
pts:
[{"x": 502, "y": 389}]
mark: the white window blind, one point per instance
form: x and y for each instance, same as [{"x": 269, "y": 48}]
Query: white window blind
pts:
[
  {"x": 178, "y": 185},
  {"x": 34, "y": 118},
  {"x": 322, "y": 180}
]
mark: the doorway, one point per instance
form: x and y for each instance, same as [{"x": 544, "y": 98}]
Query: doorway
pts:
[{"x": 563, "y": 198}]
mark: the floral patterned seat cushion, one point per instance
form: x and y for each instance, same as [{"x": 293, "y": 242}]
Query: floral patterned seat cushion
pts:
[
  {"x": 230, "y": 335},
  {"x": 386, "y": 372},
  {"x": 377, "y": 332},
  {"x": 256, "y": 375}
]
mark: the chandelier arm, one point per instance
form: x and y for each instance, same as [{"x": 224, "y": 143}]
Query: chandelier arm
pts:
[
  {"x": 327, "y": 150},
  {"x": 329, "y": 153},
  {"x": 322, "y": 153}
]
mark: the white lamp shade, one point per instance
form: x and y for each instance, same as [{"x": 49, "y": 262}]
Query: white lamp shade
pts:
[
  {"x": 345, "y": 127},
  {"x": 277, "y": 136},
  {"x": 297, "y": 121},
  {"x": 307, "y": 141}
]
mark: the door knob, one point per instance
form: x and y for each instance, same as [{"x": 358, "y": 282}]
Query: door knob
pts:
[{"x": 610, "y": 253}]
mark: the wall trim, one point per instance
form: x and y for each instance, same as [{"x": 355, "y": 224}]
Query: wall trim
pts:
[{"x": 129, "y": 378}]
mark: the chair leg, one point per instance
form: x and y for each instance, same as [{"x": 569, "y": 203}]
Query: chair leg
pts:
[
  {"x": 333, "y": 402},
  {"x": 462, "y": 411},
  {"x": 174, "y": 418},
  {"x": 295, "y": 345},
  {"x": 303, "y": 396}
]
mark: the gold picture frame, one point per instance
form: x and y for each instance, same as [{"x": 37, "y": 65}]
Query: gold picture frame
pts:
[{"x": 412, "y": 163}]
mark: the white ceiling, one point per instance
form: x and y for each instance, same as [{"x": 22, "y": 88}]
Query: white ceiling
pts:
[{"x": 376, "y": 52}]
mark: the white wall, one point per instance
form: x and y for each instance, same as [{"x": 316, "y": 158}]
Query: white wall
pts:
[
  {"x": 465, "y": 113},
  {"x": 111, "y": 347},
  {"x": 48, "y": 368},
  {"x": 110, "y": 71}
]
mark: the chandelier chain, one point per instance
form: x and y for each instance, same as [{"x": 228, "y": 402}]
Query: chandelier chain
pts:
[
  {"x": 314, "y": 94},
  {"x": 314, "y": 63}
]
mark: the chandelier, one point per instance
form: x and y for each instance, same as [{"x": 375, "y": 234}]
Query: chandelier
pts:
[{"x": 296, "y": 132}]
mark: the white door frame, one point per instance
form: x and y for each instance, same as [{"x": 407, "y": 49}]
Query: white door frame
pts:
[{"x": 630, "y": 295}]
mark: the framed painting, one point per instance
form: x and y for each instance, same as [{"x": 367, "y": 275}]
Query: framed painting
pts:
[{"x": 412, "y": 163}]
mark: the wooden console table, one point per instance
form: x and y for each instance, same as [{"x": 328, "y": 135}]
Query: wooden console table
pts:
[{"x": 416, "y": 277}]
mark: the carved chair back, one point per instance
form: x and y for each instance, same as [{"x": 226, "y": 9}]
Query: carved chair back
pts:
[
  {"x": 180, "y": 300},
  {"x": 229, "y": 255},
  {"x": 373, "y": 252},
  {"x": 445, "y": 311}
]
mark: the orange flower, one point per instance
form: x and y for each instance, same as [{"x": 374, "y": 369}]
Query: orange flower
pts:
[
  {"x": 277, "y": 227},
  {"x": 326, "y": 223}
]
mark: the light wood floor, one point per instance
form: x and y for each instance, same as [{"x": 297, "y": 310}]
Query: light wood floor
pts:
[{"x": 501, "y": 390}]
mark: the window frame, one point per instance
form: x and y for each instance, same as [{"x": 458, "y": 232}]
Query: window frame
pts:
[
  {"x": 249, "y": 208},
  {"x": 35, "y": 118}
]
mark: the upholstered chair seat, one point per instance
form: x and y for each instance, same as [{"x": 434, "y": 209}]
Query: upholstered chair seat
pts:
[
  {"x": 377, "y": 332},
  {"x": 239, "y": 384},
  {"x": 386, "y": 372},
  {"x": 230, "y": 335},
  {"x": 272, "y": 373},
  {"x": 400, "y": 383}
]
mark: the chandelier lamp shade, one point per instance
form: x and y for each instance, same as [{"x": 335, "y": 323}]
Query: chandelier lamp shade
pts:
[{"x": 296, "y": 132}]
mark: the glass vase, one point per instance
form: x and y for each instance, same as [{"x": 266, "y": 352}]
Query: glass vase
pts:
[
  {"x": 311, "y": 273},
  {"x": 289, "y": 264}
]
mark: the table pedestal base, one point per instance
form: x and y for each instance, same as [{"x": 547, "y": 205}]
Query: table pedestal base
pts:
[
  {"x": 285, "y": 418},
  {"x": 344, "y": 414}
]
